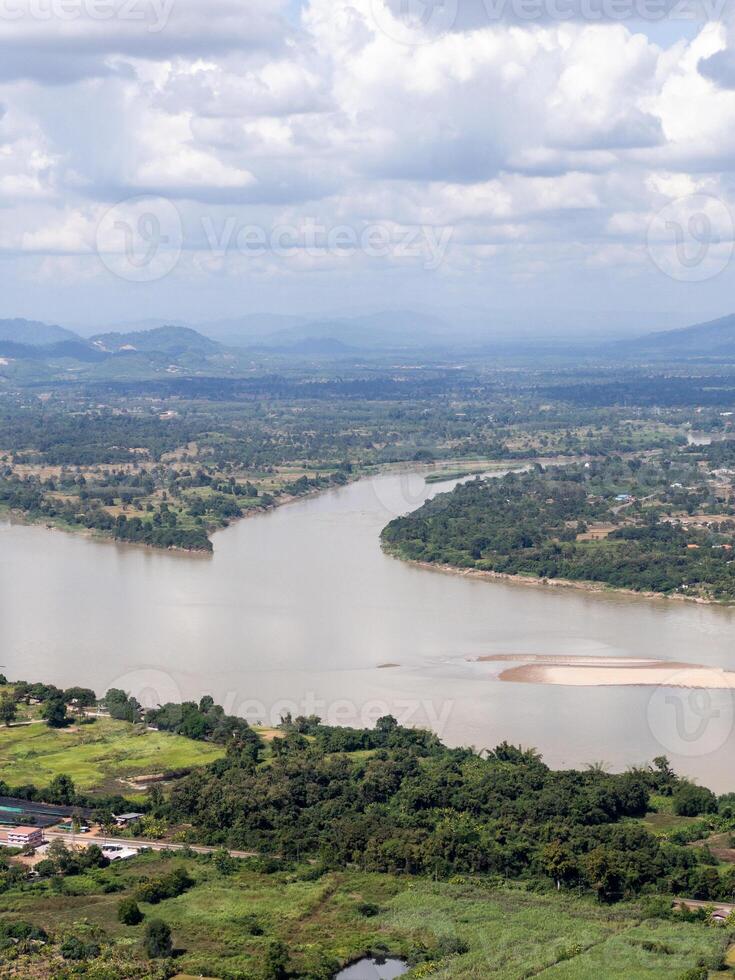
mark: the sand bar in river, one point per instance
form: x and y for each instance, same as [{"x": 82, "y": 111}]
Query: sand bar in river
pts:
[{"x": 610, "y": 672}]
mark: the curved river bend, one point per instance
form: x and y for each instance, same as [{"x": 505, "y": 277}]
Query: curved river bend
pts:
[{"x": 298, "y": 609}]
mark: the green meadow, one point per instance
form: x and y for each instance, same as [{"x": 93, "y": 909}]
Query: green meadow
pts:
[
  {"x": 468, "y": 929},
  {"x": 97, "y": 756}
]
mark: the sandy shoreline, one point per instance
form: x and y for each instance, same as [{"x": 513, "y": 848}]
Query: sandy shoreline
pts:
[
  {"x": 598, "y": 588},
  {"x": 610, "y": 672}
]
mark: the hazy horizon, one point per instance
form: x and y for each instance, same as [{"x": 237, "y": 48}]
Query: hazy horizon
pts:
[{"x": 464, "y": 325}]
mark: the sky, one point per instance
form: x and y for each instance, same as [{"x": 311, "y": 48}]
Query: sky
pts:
[{"x": 197, "y": 159}]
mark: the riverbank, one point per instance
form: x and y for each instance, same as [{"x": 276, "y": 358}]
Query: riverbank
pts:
[
  {"x": 599, "y": 588},
  {"x": 15, "y": 516},
  {"x": 434, "y": 473}
]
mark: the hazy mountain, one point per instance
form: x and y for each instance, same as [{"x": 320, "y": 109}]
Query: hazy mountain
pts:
[
  {"x": 317, "y": 346},
  {"x": 391, "y": 328},
  {"x": 126, "y": 326},
  {"x": 246, "y": 330},
  {"x": 33, "y": 333},
  {"x": 162, "y": 340},
  {"x": 703, "y": 339}
]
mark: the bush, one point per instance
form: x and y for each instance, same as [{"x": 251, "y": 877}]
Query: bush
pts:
[
  {"x": 276, "y": 961},
  {"x": 74, "y": 948},
  {"x": 128, "y": 912},
  {"x": 250, "y": 925},
  {"x": 657, "y": 907},
  {"x": 368, "y": 909},
  {"x": 22, "y": 931},
  {"x": 166, "y": 886},
  {"x": 693, "y": 801},
  {"x": 223, "y": 862},
  {"x": 157, "y": 939},
  {"x": 451, "y": 946}
]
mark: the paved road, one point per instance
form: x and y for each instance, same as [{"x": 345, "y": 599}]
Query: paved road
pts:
[{"x": 154, "y": 845}]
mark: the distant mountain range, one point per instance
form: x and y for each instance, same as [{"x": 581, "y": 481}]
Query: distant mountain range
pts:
[
  {"x": 716, "y": 337},
  {"x": 31, "y": 351},
  {"x": 52, "y": 351},
  {"x": 33, "y": 333},
  {"x": 164, "y": 340}
]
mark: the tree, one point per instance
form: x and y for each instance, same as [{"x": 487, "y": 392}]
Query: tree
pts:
[
  {"x": 693, "y": 801},
  {"x": 606, "y": 874},
  {"x": 54, "y": 712},
  {"x": 386, "y": 724},
  {"x": 223, "y": 862},
  {"x": 276, "y": 961},
  {"x": 559, "y": 863},
  {"x": 157, "y": 939},
  {"x": 84, "y": 697},
  {"x": 8, "y": 710},
  {"x": 129, "y": 913},
  {"x": 62, "y": 790}
]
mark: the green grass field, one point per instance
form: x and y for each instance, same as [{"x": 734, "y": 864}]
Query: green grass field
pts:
[
  {"x": 508, "y": 933},
  {"x": 96, "y": 756}
]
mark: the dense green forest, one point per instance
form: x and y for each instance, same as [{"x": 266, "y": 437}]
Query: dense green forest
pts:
[
  {"x": 648, "y": 524},
  {"x": 352, "y": 819},
  {"x": 395, "y": 799},
  {"x": 406, "y": 804}
]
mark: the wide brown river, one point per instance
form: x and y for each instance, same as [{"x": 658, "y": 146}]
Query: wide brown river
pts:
[{"x": 298, "y": 609}]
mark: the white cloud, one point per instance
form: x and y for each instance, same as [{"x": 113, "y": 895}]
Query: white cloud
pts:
[{"x": 540, "y": 146}]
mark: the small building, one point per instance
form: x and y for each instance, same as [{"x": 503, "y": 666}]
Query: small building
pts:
[
  {"x": 125, "y": 819},
  {"x": 23, "y": 837}
]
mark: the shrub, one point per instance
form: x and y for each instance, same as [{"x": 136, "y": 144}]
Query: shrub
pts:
[
  {"x": 276, "y": 961},
  {"x": 250, "y": 925},
  {"x": 368, "y": 909},
  {"x": 451, "y": 946},
  {"x": 74, "y": 948},
  {"x": 128, "y": 912},
  {"x": 693, "y": 801},
  {"x": 223, "y": 862},
  {"x": 155, "y": 890},
  {"x": 22, "y": 931},
  {"x": 157, "y": 939}
]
